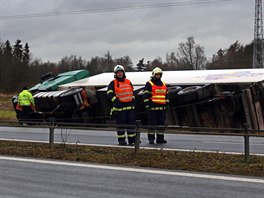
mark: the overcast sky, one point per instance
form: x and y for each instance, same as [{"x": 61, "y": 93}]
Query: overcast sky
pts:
[{"x": 137, "y": 28}]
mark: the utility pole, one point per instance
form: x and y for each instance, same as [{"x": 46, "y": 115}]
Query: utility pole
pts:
[{"x": 258, "y": 36}]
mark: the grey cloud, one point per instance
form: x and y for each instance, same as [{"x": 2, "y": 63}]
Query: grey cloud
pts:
[{"x": 137, "y": 33}]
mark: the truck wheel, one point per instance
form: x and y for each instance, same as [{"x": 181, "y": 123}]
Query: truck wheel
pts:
[
  {"x": 188, "y": 94},
  {"x": 172, "y": 92},
  {"x": 189, "y": 90}
]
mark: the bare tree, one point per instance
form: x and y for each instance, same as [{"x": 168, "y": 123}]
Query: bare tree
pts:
[
  {"x": 108, "y": 62},
  {"x": 72, "y": 62},
  {"x": 172, "y": 61},
  {"x": 157, "y": 62},
  {"x": 191, "y": 55},
  {"x": 126, "y": 62}
]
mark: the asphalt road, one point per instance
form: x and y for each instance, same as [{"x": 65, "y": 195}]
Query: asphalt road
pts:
[
  {"x": 180, "y": 142},
  {"x": 31, "y": 178}
]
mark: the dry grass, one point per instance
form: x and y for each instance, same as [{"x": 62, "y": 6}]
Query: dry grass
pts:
[
  {"x": 6, "y": 101},
  {"x": 6, "y": 107},
  {"x": 7, "y": 115},
  {"x": 191, "y": 161}
]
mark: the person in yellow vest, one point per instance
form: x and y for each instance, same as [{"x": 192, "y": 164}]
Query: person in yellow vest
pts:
[
  {"x": 121, "y": 93},
  {"x": 26, "y": 102},
  {"x": 156, "y": 102}
]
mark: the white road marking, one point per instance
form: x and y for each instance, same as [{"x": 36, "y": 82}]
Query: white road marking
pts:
[
  {"x": 138, "y": 170},
  {"x": 21, "y": 140}
]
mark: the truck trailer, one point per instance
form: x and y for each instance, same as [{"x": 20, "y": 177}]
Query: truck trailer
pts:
[{"x": 226, "y": 98}]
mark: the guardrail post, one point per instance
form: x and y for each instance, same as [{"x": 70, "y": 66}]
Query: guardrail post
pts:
[
  {"x": 137, "y": 139},
  {"x": 51, "y": 133},
  {"x": 246, "y": 138}
]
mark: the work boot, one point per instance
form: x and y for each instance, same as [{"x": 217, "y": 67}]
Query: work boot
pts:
[
  {"x": 151, "y": 141},
  {"x": 131, "y": 141},
  {"x": 160, "y": 139},
  {"x": 122, "y": 142},
  {"x": 151, "y": 138},
  {"x": 163, "y": 141}
]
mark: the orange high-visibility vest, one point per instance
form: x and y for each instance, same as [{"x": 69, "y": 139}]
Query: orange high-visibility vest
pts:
[
  {"x": 158, "y": 93},
  {"x": 123, "y": 90}
]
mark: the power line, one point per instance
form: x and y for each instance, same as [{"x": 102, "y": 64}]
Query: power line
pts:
[{"x": 114, "y": 9}]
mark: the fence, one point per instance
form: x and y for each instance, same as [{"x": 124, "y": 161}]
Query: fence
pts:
[{"x": 139, "y": 128}]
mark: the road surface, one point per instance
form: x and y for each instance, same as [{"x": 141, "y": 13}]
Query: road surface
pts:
[
  {"x": 31, "y": 178},
  {"x": 179, "y": 142}
]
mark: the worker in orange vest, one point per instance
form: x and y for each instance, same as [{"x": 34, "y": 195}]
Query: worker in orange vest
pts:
[
  {"x": 156, "y": 102},
  {"x": 120, "y": 92}
]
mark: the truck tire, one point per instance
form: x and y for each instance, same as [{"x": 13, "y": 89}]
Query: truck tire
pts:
[
  {"x": 172, "y": 92},
  {"x": 188, "y": 94}
]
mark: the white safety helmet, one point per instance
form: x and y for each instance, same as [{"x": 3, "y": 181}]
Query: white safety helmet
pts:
[
  {"x": 156, "y": 70},
  {"x": 119, "y": 68}
]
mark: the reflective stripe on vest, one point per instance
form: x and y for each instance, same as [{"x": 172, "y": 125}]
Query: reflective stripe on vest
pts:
[
  {"x": 158, "y": 93},
  {"x": 123, "y": 90}
]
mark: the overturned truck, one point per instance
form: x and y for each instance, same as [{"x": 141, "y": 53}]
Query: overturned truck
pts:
[
  {"x": 204, "y": 98},
  {"x": 51, "y": 103}
]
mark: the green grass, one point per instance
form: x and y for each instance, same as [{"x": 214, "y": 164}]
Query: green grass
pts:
[
  {"x": 189, "y": 161},
  {"x": 8, "y": 115}
]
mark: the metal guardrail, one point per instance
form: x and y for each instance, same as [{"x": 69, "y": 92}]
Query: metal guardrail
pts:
[{"x": 169, "y": 129}]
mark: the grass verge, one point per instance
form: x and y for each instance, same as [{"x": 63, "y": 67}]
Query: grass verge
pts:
[
  {"x": 8, "y": 115},
  {"x": 7, "y": 111},
  {"x": 191, "y": 161}
]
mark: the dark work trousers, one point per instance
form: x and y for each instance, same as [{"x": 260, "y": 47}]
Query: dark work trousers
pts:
[
  {"x": 156, "y": 118},
  {"x": 126, "y": 117},
  {"x": 26, "y": 110}
]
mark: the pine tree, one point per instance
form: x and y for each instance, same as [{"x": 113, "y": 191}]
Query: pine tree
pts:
[
  {"x": 140, "y": 65},
  {"x": 18, "y": 51},
  {"x": 7, "y": 65},
  {"x": 26, "y": 55}
]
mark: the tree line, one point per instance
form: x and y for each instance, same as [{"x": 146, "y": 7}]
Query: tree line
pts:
[{"x": 17, "y": 69}]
